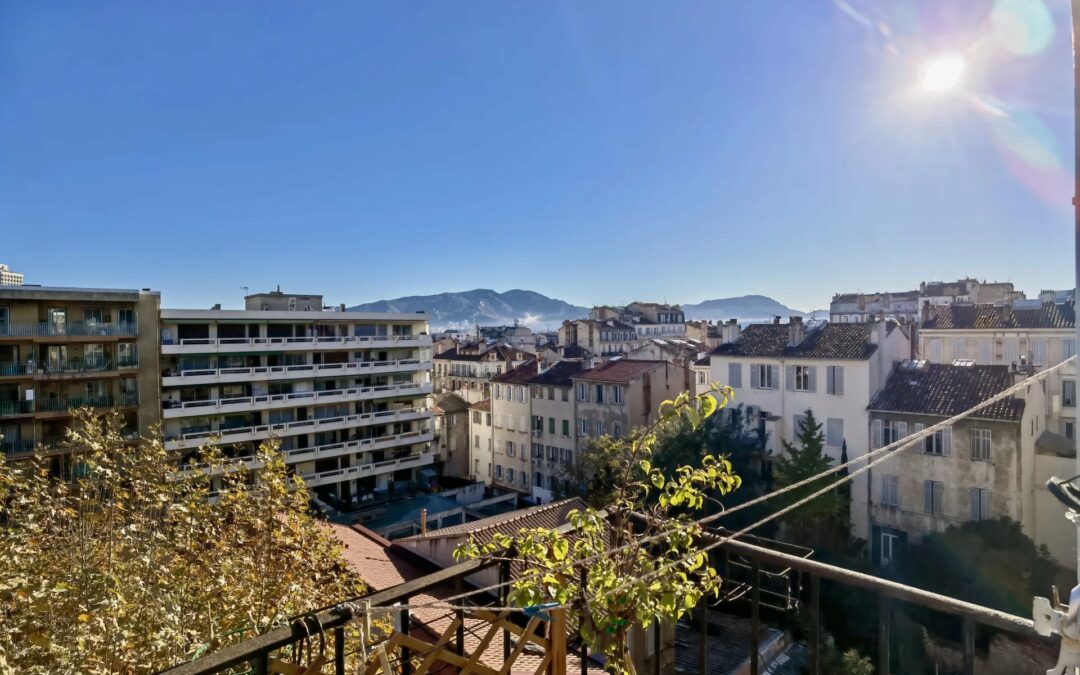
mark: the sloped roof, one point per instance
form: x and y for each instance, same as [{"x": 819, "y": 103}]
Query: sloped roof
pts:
[
  {"x": 501, "y": 352},
  {"x": 484, "y": 406},
  {"x": 989, "y": 317},
  {"x": 1049, "y": 443},
  {"x": 560, "y": 374},
  {"x": 548, "y": 516},
  {"x": 621, "y": 370},
  {"x": 831, "y": 341},
  {"x": 451, "y": 403},
  {"x": 944, "y": 390},
  {"x": 518, "y": 375}
]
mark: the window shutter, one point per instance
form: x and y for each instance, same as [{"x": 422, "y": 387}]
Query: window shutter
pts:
[
  {"x": 946, "y": 441},
  {"x": 878, "y": 433},
  {"x": 939, "y": 496},
  {"x": 973, "y": 502},
  {"x": 813, "y": 378},
  {"x": 755, "y": 376},
  {"x": 985, "y": 504},
  {"x": 973, "y": 444},
  {"x": 789, "y": 377},
  {"x": 901, "y": 429},
  {"x": 774, "y": 377},
  {"x": 839, "y": 380},
  {"x": 928, "y": 496},
  {"x": 885, "y": 490}
]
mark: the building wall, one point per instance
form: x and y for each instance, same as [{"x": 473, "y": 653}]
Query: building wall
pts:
[
  {"x": 452, "y": 432},
  {"x": 552, "y": 403},
  {"x": 481, "y": 446},
  {"x": 510, "y": 418}
]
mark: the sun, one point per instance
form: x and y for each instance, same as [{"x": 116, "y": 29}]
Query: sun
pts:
[{"x": 942, "y": 73}]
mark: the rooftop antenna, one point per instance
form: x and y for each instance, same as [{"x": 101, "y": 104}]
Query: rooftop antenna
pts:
[{"x": 245, "y": 290}]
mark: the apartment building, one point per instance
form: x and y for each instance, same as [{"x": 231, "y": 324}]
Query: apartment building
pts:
[
  {"x": 713, "y": 334},
  {"x": 553, "y": 414},
  {"x": 653, "y": 319},
  {"x": 517, "y": 336},
  {"x": 780, "y": 370},
  {"x": 511, "y": 436},
  {"x": 9, "y": 278},
  {"x": 982, "y": 467},
  {"x": 482, "y": 443},
  {"x": 867, "y": 307},
  {"x": 967, "y": 291},
  {"x": 347, "y": 393},
  {"x": 605, "y": 337},
  {"x": 466, "y": 370},
  {"x": 620, "y": 395},
  {"x": 451, "y": 425},
  {"x": 1029, "y": 333},
  {"x": 68, "y": 348}
]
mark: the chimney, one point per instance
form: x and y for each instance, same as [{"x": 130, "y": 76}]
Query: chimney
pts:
[
  {"x": 423, "y": 521},
  {"x": 795, "y": 330},
  {"x": 926, "y": 314},
  {"x": 1004, "y": 312},
  {"x": 730, "y": 331},
  {"x": 776, "y": 319}
]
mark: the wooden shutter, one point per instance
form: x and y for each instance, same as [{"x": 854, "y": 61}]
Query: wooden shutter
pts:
[
  {"x": 878, "y": 433},
  {"x": 839, "y": 377},
  {"x": 755, "y": 376},
  {"x": 946, "y": 441},
  {"x": 774, "y": 377},
  {"x": 813, "y": 378},
  {"x": 973, "y": 502},
  {"x": 928, "y": 496},
  {"x": 939, "y": 496},
  {"x": 789, "y": 378},
  {"x": 986, "y": 504}
]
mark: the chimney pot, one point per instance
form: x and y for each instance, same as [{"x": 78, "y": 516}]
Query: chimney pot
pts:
[{"x": 423, "y": 521}]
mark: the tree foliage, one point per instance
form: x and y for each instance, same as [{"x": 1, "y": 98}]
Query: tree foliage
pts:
[
  {"x": 129, "y": 565},
  {"x": 642, "y": 555},
  {"x": 823, "y": 520}
]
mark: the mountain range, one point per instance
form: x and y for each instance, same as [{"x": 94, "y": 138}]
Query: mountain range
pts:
[{"x": 487, "y": 307}]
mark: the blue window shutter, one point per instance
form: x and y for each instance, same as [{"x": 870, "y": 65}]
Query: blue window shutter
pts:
[{"x": 813, "y": 378}]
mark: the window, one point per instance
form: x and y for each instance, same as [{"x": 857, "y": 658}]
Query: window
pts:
[
  {"x": 1038, "y": 351},
  {"x": 521, "y": 394},
  {"x": 890, "y": 545},
  {"x": 496, "y": 389},
  {"x": 4, "y": 316},
  {"x": 980, "y": 445},
  {"x": 934, "y": 497},
  {"x": 980, "y": 503},
  {"x": 584, "y": 426},
  {"x": 599, "y": 393},
  {"x": 1068, "y": 393},
  {"x": 565, "y": 394},
  {"x": 509, "y": 448},
  {"x": 834, "y": 432},
  {"x": 538, "y": 479},
  {"x": 510, "y": 474},
  {"x": 524, "y": 477},
  {"x": 959, "y": 348},
  {"x": 582, "y": 392},
  {"x": 538, "y": 450},
  {"x": 566, "y": 427},
  {"x": 834, "y": 380},
  {"x": 734, "y": 375},
  {"x": 890, "y": 490},
  {"x": 476, "y": 441},
  {"x": 616, "y": 429},
  {"x": 94, "y": 355},
  {"x": 487, "y": 419},
  {"x": 1068, "y": 348},
  {"x": 125, "y": 355},
  {"x": 887, "y": 432},
  {"x": 537, "y": 424},
  {"x": 599, "y": 427},
  {"x": 92, "y": 316},
  {"x": 551, "y": 393},
  {"x": 933, "y": 350},
  {"x": 538, "y": 392},
  {"x": 1069, "y": 430},
  {"x": 938, "y": 443},
  {"x": 498, "y": 471},
  {"x": 552, "y": 453},
  {"x": 551, "y": 425},
  {"x": 618, "y": 394},
  {"x": 983, "y": 356},
  {"x": 568, "y": 457},
  {"x": 476, "y": 417},
  {"x": 1012, "y": 351},
  {"x": 702, "y": 377},
  {"x": 801, "y": 378},
  {"x": 764, "y": 376}
]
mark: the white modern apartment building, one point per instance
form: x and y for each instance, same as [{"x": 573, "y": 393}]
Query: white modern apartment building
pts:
[
  {"x": 780, "y": 370},
  {"x": 9, "y": 278},
  {"x": 347, "y": 393}
]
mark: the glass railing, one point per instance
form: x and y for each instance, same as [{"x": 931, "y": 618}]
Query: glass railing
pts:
[
  {"x": 9, "y": 368},
  {"x": 87, "y": 329},
  {"x": 16, "y": 446},
  {"x": 10, "y": 408}
]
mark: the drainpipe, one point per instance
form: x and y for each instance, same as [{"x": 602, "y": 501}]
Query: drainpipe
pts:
[{"x": 423, "y": 521}]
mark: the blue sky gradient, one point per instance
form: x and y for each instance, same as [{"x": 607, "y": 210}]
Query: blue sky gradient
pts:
[{"x": 595, "y": 151}]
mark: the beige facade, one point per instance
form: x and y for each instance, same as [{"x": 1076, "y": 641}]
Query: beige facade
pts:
[
  {"x": 467, "y": 370},
  {"x": 67, "y": 348},
  {"x": 481, "y": 442},
  {"x": 553, "y": 420},
  {"x": 451, "y": 424},
  {"x": 347, "y": 393},
  {"x": 9, "y": 278},
  {"x": 618, "y": 396},
  {"x": 277, "y": 301},
  {"x": 511, "y": 434}
]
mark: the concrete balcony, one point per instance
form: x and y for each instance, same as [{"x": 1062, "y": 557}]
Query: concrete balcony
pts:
[
  {"x": 221, "y": 406},
  {"x": 365, "y": 445},
  {"x": 264, "y": 431},
  {"x": 314, "y": 479},
  {"x": 296, "y": 344},
  {"x": 45, "y": 329},
  {"x": 211, "y": 376}
]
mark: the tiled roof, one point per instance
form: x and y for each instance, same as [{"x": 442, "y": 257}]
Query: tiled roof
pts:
[
  {"x": 574, "y": 352},
  {"x": 502, "y": 352},
  {"x": 945, "y": 390},
  {"x": 832, "y": 341},
  {"x": 451, "y": 403},
  {"x": 621, "y": 370},
  {"x": 549, "y": 516},
  {"x": 560, "y": 374},
  {"x": 522, "y": 374},
  {"x": 1049, "y": 443},
  {"x": 989, "y": 317},
  {"x": 483, "y": 406}
]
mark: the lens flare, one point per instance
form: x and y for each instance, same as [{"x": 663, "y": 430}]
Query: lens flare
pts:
[
  {"x": 1024, "y": 27},
  {"x": 942, "y": 73}
]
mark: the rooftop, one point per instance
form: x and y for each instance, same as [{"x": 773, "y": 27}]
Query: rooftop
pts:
[
  {"x": 559, "y": 375},
  {"x": 944, "y": 390},
  {"x": 621, "y": 370},
  {"x": 522, "y": 374},
  {"x": 550, "y": 516},
  {"x": 832, "y": 341},
  {"x": 993, "y": 317}
]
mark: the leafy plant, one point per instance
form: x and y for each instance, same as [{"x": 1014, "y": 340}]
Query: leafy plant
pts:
[
  {"x": 640, "y": 559},
  {"x": 132, "y": 565}
]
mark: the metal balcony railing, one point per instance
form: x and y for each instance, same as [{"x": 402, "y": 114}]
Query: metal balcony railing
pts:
[
  {"x": 66, "y": 367},
  {"x": 13, "y": 408},
  {"x": 80, "y": 329},
  {"x": 16, "y": 446},
  {"x": 71, "y": 403}
]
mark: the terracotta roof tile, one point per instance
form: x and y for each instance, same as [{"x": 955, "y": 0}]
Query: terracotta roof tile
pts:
[
  {"x": 944, "y": 390},
  {"x": 518, "y": 375},
  {"x": 990, "y": 317},
  {"x": 620, "y": 370},
  {"x": 832, "y": 341}
]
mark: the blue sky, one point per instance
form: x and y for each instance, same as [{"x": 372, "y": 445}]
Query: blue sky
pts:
[{"x": 594, "y": 151}]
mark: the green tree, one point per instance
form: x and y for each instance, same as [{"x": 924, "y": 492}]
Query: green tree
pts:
[
  {"x": 642, "y": 555},
  {"x": 130, "y": 566},
  {"x": 821, "y": 522}
]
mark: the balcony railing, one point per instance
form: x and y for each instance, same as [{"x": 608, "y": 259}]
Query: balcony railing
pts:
[
  {"x": 16, "y": 446},
  {"x": 65, "y": 404},
  {"x": 69, "y": 367},
  {"x": 14, "y": 408},
  {"x": 86, "y": 329},
  {"x": 299, "y": 370},
  {"x": 287, "y": 341},
  {"x": 230, "y": 432},
  {"x": 300, "y": 398}
]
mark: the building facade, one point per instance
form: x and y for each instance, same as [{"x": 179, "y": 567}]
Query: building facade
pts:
[
  {"x": 9, "y": 278},
  {"x": 511, "y": 434},
  {"x": 780, "y": 370},
  {"x": 467, "y": 370},
  {"x": 482, "y": 442},
  {"x": 451, "y": 425},
  {"x": 867, "y": 307},
  {"x": 347, "y": 393},
  {"x": 552, "y": 413},
  {"x": 68, "y": 348},
  {"x": 983, "y": 467}
]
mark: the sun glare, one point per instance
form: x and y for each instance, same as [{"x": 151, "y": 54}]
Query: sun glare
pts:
[{"x": 942, "y": 73}]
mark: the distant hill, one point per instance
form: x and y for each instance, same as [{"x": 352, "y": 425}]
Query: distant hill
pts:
[
  {"x": 746, "y": 308},
  {"x": 483, "y": 306}
]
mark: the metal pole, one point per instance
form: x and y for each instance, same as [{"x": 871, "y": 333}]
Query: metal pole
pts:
[
  {"x": 403, "y": 628},
  {"x": 815, "y": 625},
  {"x": 969, "y": 647},
  {"x": 884, "y": 628},
  {"x": 339, "y": 651},
  {"x": 755, "y": 617}
]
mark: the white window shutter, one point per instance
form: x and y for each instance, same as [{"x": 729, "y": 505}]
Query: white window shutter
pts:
[
  {"x": 755, "y": 376},
  {"x": 985, "y": 504},
  {"x": 939, "y": 496},
  {"x": 840, "y": 380},
  {"x": 789, "y": 377},
  {"x": 813, "y": 378},
  {"x": 928, "y": 496},
  {"x": 901, "y": 429},
  {"x": 878, "y": 433},
  {"x": 973, "y": 502},
  {"x": 946, "y": 441}
]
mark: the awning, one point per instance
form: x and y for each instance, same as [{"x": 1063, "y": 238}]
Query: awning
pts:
[{"x": 428, "y": 473}]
